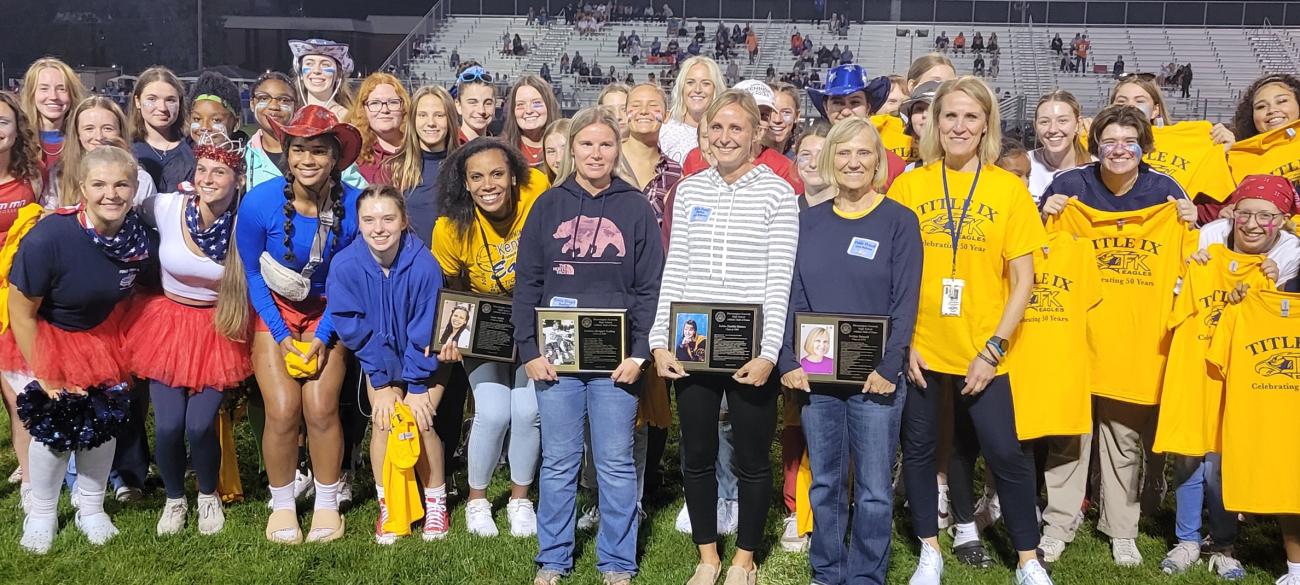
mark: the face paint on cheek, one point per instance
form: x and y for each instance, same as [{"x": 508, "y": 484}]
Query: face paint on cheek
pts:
[
  {"x": 305, "y": 71},
  {"x": 262, "y": 106},
  {"x": 328, "y": 70},
  {"x": 1135, "y": 150},
  {"x": 194, "y": 127},
  {"x": 218, "y": 127}
]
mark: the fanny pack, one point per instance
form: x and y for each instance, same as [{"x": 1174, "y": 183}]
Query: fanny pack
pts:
[{"x": 292, "y": 284}]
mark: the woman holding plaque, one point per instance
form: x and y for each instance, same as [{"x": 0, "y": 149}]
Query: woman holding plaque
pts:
[
  {"x": 591, "y": 242},
  {"x": 737, "y": 229},
  {"x": 975, "y": 285},
  {"x": 878, "y": 275},
  {"x": 486, "y": 191}
]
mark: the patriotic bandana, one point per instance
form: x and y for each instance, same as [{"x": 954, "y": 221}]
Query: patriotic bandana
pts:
[
  {"x": 131, "y": 244},
  {"x": 215, "y": 240}
]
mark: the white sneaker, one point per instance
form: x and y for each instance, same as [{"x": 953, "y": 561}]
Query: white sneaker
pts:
[
  {"x": 523, "y": 519},
  {"x": 929, "y": 568},
  {"x": 791, "y": 540},
  {"x": 683, "y": 522},
  {"x": 1180, "y": 558},
  {"x": 590, "y": 519},
  {"x": 173, "y": 516},
  {"x": 1032, "y": 574},
  {"x": 17, "y": 475},
  {"x": 988, "y": 510},
  {"x": 1052, "y": 548},
  {"x": 74, "y": 498},
  {"x": 212, "y": 517},
  {"x": 25, "y": 497},
  {"x": 38, "y": 533},
  {"x": 728, "y": 516},
  {"x": 1125, "y": 552},
  {"x": 345, "y": 489},
  {"x": 304, "y": 485},
  {"x": 478, "y": 518},
  {"x": 1226, "y": 567},
  {"x": 98, "y": 528},
  {"x": 127, "y": 494},
  {"x": 1288, "y": 579}
]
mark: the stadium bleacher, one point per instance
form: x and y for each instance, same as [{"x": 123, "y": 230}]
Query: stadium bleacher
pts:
[{"x": 1224, "y": 60}]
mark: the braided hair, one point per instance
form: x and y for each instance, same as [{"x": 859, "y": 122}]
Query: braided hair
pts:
[
  {"x": 289, "y": 212},
  {"x": 336, "y": 194}
]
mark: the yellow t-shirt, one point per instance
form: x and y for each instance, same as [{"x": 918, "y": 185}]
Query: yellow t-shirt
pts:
[
  {"x": 1186, "y": 152},
  {"x": 1140, "y": 255},
  {"x": 893, "y": 133},
  {"x": 488, "y": 265},
  {"x": 1276, "y": 152},
  {"x": 1193, "y": 394},
  {"x": 1049, "y": 382},
  {"x": 1001, "y": 224},
  {"x": 1256, "y": 348}
]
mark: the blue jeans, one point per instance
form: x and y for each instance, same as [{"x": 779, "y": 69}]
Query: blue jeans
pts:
[
  {"x": 856, "y": 433},
  {"x": 1200, "y": 486},
  {"x": 504, "y": 400},
  {"x": 566, "y": 407}
]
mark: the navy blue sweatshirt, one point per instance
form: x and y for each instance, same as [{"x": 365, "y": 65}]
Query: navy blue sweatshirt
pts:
[
  {"x": 1151, "y": 188},
  {"x": 422, "y": 200},
  {"x": 870, "y": 265},
  {"x": 168, "y": 170},
  {"x": 387, "y": 321},
  {"x": 601, "y": 252}
]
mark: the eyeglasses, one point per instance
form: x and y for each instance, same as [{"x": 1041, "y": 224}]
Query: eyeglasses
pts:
[
  {"x": 375, "y": 106},
  {"x": 282, "y": 101},
  {"x": 1261, "y": 217},
  {"x": 475, "y": 74}
]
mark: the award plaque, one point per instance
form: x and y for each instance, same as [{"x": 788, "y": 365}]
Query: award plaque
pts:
[
  {"x": 479, "y": 323},
  {"x": 839, "y": 349},
  {"x": 590, "y": 341},
  {"x": 715, "y": 337}
]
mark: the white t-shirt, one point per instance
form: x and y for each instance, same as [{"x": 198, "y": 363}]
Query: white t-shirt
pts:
[
  {"x": 1286, "y": 252},
  {"x": 1041, "y": 175},
  {"x": 677, "y": 139}
]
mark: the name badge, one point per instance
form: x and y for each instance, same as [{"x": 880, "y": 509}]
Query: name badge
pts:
[
  {"x": 863, "y": 248},
  {"x": 952, "y": 289},
  {"x": 700, "y": 214},
  {"x": 563, "y": 303}
]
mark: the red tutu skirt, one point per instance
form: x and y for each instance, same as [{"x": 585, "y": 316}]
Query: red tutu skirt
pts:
[
  {"x": 11, "y": 360},
  {"x": 93, "y": 357},
  {"x": 179, "y": 346}
]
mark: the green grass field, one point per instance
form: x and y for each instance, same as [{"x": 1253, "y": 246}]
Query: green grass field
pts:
[{"x": 241, "y": 555}]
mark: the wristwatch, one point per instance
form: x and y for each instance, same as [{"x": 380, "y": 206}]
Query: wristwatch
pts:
[{"x": 999, "y": 344}]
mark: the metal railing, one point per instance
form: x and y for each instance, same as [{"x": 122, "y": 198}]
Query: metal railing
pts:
[{"x": 414, "y": 45}]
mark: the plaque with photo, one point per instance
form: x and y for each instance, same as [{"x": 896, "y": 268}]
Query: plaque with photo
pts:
[
  {"x": 839, "y": 349},
  {"x": 587, "y": 341},
  {"x": 479, "y": 323},
  {"x": 715, "y": 337}
]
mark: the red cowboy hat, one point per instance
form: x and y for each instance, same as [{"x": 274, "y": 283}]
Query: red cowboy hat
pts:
[{"x": 314, "y": 120}]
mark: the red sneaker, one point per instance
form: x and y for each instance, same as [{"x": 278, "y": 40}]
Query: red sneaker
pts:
[
  {"x": 381, "y": 536},
  {"x": 437, "y": 520}
]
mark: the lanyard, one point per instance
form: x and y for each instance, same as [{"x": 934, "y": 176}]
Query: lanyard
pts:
[
  {"x": 491, "y": 263},
  {"x": 955, "y": 228}
]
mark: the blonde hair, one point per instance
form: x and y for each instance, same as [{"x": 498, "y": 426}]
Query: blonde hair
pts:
[
  {"x": 990, "y": 143},
  {"x": 1080, "y": 150},
  {"x": 357, "y": 113},
  {"x": 67, "y": 170},
  {"x": 925, "y": 63},
  {"x": 76, "y": 91},
  {"x": 589, "y": 116},
  {"x": 407, "y": 168},
  {"x": 139, "y": 129},
  {"x": 616, "y": 87},
  {"x": 677, "y": 111},
  {"x": 737, "y": 97},
  {"x": 844, "y": 131},
  {"x": 561, "y": 127},
  {"x": 1151, "y": 89},
  {"x": 107, "y": 155},
  {"x": 812, "y": 335}
]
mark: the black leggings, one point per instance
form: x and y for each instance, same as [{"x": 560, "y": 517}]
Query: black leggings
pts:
[
  {"x": 178, "y": 415},
  {"x": 752, "y": 412},
  {"x": 984, "y": 423}
]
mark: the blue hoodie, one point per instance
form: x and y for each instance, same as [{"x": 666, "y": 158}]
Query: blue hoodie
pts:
[
  {"x": 601, "y": 252},
  {"x": 387, "y": 320}
]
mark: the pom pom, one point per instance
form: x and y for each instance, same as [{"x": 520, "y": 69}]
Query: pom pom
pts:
[{"x": 74, "y": 422}]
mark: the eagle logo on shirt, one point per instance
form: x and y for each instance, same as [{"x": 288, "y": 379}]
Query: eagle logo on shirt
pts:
[
  {"x": 1046, "y": 299},
  {"x": 1212, "y": 314},
  {"x": 1124, "y": 262},
  {"x": 1282, "y": 364},
  {"x": 972, "y": 229}
]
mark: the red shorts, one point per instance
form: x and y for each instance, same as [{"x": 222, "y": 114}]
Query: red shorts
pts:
[{"x": 301, "y": 317}]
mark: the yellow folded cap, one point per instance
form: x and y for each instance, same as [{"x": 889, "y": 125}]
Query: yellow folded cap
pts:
[
  {"x": 297, "y": 368},
  {"x": 401, "y": 492}
]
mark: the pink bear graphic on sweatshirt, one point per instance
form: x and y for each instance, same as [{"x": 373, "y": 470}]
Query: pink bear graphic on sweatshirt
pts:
[{"x": 588, "y": 238}]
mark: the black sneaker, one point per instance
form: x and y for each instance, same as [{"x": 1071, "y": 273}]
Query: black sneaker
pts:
[{"x": 973, "y": 554}]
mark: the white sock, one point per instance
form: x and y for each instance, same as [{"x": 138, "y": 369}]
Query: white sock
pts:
[
  {"x": 1293, "y": 569},
  {"x": 327, "y": 495},
  {"x": 91, "y": 502},
  {"x": 39, "y": 507},
  {"x": 435, "y": 492},
  {"x": 379, "y": 491},
  {"x": 282, "y": 497},
  {"x": 964, "y": 533}
]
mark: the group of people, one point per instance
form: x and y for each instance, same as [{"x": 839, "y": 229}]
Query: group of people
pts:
[
  {"x": 1128, "y": 281},
  {"x": 958, "y": 45},
  {"x": 1074, "y": 59}
]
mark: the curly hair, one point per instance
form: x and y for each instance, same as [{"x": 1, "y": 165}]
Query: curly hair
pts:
[
  {"x": 357, "y": 115},
  {"x": 213, "y": 83},
  {"x": 1243, "y": 120},
  {"x": 336, "y": 196},
  {"x": 25, "y": 155},
  {"x": 157, "y": 74},
  {"x": 454, "y": 198}
]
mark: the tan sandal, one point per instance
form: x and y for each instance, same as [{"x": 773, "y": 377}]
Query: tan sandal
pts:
[
  {"x": 283, "y": 521},
  {"x": 705, "y": 574},
  {"x": 326, "y": 526}
]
